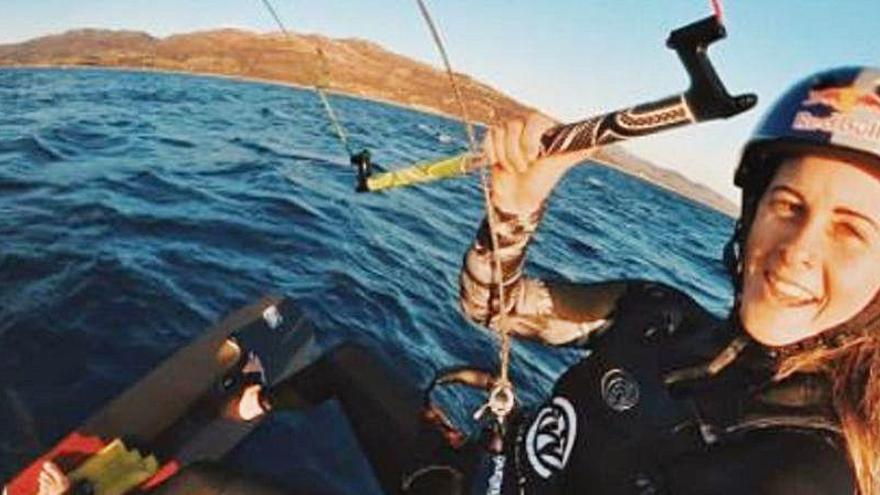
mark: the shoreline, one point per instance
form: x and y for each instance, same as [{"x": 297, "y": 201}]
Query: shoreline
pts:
[
  {"x": 734, "y": 214},
  {"x": 248, "y": 79}
]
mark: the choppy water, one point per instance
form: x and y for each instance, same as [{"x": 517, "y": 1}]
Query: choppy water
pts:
[{"x": 136, "y": 209}]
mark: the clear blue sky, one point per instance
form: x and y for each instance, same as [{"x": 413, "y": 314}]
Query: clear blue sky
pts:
[{"x": 571, "y": 58}]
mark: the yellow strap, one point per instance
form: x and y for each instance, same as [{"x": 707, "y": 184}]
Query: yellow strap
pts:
[
  {"x": 421, "y": 172},
  {"x": 115, "y": 469}
]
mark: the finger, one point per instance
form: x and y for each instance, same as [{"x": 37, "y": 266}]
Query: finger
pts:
[
  {"x": 46, "y": 472},
  {"x": 513, "y": 145},
  {"x": 536, "y": 125},
  {"x": 45, "y": 483},
  {"x": 498, "y": 138},
  {"x": 51, "y": 468},
  {"x": 489, "y": 147},
  {"x": 249, "y": 406},
  {"x": 54, "y": 473}
]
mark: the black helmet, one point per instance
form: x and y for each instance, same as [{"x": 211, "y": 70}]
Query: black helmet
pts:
[{"x": 834, "y": 113}]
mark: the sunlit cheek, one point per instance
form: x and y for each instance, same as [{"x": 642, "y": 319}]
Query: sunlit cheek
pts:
[
  {"x": 852, "y": 286},
  {"x": 751, "y": 312}
]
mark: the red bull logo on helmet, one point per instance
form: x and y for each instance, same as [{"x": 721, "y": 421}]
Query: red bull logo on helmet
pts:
[
  {"x": 843, "y": 99},
  {"x": 854, "y": 113}
]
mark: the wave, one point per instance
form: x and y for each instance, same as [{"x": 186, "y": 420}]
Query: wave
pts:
[
  {"x": 274, "y": 152},
  {"x": 33, "y": 147},
  {"x": 86, "y": 138},
  {"x": 176, "y": 142},
  {"x": 271, "y": 112}
]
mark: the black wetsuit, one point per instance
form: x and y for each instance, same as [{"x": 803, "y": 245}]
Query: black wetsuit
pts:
[
  {"x": 644, "y": 414},
  {"x": 670, "y": 400}
]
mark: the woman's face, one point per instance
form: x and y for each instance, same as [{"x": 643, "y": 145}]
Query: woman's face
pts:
[{"x": 812, "y": 260}]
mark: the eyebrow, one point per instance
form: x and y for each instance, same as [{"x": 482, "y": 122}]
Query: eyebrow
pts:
[
  {"x": 842, "y": 210},
  {"x": 783, "y": 188}
]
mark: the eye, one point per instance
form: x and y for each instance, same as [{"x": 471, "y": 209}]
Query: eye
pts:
[
  {"x": 851, "y": 231},
  {"x": 785, "y": 207}
]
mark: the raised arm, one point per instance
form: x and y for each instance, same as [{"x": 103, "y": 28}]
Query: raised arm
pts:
[{"x": 553, "y": 313}]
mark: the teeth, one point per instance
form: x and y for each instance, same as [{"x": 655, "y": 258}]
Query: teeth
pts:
[
  {"x": 792, "y": 290},
  {"x": 789, "y": 290}
]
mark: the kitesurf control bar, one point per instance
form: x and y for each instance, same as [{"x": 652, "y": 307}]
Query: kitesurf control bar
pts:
[{"x": 706, "y": 99}]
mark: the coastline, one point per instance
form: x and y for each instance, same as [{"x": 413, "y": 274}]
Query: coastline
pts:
[
  {"x": 733, "y": 214},
  {"x": 249, "y": 79}
]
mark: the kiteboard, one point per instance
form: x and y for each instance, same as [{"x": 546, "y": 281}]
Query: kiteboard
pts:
[{"x": 181, "y": 412}]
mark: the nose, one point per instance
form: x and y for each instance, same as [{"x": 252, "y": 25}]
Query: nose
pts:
[{"x": 803, "y": 246}]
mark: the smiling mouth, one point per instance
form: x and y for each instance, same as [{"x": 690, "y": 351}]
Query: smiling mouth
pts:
[{"x": 787, "y": 292}]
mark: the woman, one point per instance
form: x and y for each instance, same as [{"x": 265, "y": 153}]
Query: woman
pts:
[{"x": 782, "y": 397}]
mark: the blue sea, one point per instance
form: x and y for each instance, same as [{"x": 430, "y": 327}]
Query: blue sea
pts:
[{"x": 136, "y": 209}]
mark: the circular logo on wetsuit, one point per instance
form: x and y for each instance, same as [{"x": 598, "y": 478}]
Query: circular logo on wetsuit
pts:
[
  {"x": 619, "y": 390},
  {"x": 551, "y": 437}
]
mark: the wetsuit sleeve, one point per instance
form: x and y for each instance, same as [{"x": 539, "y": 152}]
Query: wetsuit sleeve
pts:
[{"x": 552, "y": 312}]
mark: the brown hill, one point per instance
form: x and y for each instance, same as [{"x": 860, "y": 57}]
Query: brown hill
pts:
[{"x": 353, "y": 66}]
